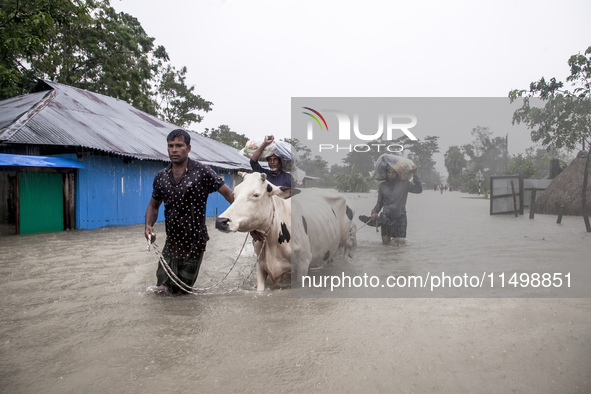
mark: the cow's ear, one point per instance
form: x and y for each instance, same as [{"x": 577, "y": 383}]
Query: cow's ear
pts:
[
  {"x": 286, "y": 192},
  {"x": 277, "y": 190},
  {"x": 263, "y": 176}
]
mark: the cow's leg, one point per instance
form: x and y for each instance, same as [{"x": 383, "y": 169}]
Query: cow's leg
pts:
[
  {"x": 351, "y": 241},
  {"x": 300, "y": 261},
  {"x": 301, "y": 270},
  {"x": 346, "y": 252},
  {"x": 261, "y": 273}
]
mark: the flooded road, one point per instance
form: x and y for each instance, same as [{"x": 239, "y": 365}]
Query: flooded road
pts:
[{"x": 77, "y": 316}]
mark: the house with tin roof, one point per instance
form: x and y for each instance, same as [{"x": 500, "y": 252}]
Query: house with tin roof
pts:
[{"x": 70, "y": 158}]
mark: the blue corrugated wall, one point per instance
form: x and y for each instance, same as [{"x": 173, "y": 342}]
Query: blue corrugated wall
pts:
[
  {"x": 110, "y": 191},
  {"x": 216, "y": 203}
]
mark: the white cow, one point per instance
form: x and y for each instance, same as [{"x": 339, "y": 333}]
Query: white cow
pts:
[{"x": 305, "y": 230}]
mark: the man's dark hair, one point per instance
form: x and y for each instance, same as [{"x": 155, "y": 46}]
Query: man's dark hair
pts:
[{"x": 179, "y": 133}]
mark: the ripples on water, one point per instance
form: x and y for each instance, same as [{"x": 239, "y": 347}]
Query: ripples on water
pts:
[{"x": 76, "y": 316}]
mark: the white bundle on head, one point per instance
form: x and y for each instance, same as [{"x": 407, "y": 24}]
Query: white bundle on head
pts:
[
  {"x": 285, "y": 151},
  {"x": 403, "y": 166}
]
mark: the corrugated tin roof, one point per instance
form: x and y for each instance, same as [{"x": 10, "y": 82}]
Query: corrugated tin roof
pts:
[{"x": 64, "y": 115}]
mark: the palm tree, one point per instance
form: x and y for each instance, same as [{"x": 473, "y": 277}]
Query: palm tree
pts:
[{"x": 454, "y": 161}]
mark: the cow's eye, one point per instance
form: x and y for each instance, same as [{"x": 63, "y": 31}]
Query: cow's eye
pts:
[{"x": 256, "y": 195}]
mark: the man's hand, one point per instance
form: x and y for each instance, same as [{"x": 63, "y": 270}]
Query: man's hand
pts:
[
  {"x": 268, "y": 140},
  {"x": 374, "y": 216},
  {"x": 150, "y": 234},
  {"x": 257, "y": 236}
]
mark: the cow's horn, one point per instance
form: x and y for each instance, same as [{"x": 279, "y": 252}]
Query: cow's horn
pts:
[{"x": 242, "y": 174}]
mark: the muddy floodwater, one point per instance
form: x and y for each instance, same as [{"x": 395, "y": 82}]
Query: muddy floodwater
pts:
[{"x": 76, "y": 315}]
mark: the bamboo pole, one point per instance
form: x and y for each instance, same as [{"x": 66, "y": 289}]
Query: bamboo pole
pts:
[
  {"x": 532, "y": 204},
  {"x": 560, "y": 211},
  {"x": 514, "y": 199}
]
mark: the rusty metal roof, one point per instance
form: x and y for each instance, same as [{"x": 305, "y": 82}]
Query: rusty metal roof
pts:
[{"x": 58, "y": 114}]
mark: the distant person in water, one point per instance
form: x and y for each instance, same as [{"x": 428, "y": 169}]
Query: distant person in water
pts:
[{"x": 392, "y": 195}]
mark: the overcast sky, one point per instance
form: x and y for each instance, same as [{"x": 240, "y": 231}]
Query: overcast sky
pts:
[{"x": 249, "y": 57}]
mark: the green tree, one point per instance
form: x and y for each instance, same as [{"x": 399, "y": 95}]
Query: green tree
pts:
[
  {"x": 316, "y": 166},
  {"x": 454, "y": 161},
  {"x": 521, "y": 165},
  {"x": 177, "y": 101},
  {"x": 421, "y": 153},
  {"x": 313, "y": 166},
  {"x": 565, "y": 118},
  {"x": 352, "y": 182},
  {"x": 303, "y": 151},
  {"x": 224, "y": 135},
  {"x": 87, "y": 44},
  {"x": 363, "y": 163},
  {"x": 26, "y": 30},
  {"x": 486, "y": 153},
  {"x": 541, "y": 158}
]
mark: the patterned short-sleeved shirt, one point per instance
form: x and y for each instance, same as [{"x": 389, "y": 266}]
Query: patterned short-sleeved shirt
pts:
[{"x": 184, "y": 207}]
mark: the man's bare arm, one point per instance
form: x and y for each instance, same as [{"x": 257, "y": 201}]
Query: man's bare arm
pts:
[
  {"x": 151, "y": 217},
  {"x": 227, "y": 193}
]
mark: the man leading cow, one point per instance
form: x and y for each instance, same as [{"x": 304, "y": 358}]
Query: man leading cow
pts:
[{"x": 183, "y": 186}]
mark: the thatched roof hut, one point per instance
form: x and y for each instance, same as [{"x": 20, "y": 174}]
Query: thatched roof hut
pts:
[{"x": 566, "y": 189}]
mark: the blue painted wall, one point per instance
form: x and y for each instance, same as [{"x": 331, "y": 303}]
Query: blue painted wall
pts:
[
  {"x": 110, "y": 191},
  {"x": 216, "y": 203}
]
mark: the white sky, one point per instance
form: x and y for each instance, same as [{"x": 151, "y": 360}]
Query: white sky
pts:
[{"x": 249, "y": 57}]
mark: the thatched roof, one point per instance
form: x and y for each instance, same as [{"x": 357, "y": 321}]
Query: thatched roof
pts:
[{"x": 566, "y": 189}]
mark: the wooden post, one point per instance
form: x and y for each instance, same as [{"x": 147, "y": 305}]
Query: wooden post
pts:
[
  {"x": 560, "y": 211},
  {"x": 514, "y": 199},
  {"x": 18, "y": 202},
  {"x": 532, "y": 204},
  {"x": 66, "y": 201}
]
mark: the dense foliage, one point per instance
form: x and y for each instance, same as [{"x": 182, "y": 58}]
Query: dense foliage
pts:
[
  {"x": 565, "y": 119},
  {"x": 224, "y": 135},
  {"x": 87, "y": 44}
]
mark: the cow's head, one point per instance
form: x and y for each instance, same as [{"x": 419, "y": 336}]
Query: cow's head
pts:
[{"x": 253, "y": 205}]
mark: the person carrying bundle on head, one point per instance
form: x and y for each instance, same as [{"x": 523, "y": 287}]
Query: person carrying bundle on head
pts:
[
  {"x": 401, "y": 178},
  {"x": 275, "y": 173}
]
